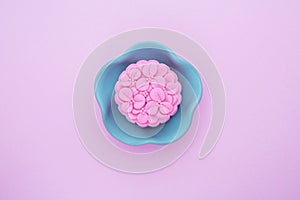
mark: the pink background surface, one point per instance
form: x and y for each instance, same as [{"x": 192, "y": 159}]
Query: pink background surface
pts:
[{"x": 255, "y": 45}]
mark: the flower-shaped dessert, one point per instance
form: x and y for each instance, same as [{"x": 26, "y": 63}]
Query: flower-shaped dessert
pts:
[{"x": 148, "y": 93}]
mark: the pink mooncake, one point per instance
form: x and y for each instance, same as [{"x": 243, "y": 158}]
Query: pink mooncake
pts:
[{"x": 148, "y": 93}]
